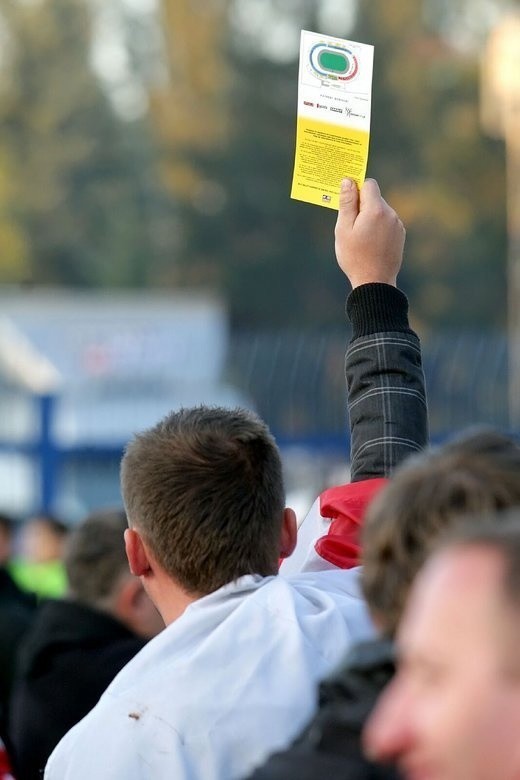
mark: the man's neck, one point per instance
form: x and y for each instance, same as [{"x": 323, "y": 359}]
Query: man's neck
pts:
[{"x": 170, "y": 598}]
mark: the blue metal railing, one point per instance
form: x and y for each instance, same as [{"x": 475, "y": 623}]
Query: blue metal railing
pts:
[{"x": 294, "y": 380}]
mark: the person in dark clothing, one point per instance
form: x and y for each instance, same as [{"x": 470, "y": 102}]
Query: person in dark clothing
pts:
[
  {"x": 17, "y": 610},
  {"x": 330, "y": 747},
  {"x": 77, "y": 645}
]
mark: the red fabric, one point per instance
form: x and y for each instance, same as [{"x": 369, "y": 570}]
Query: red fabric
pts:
[
  {"x": 346, "y": 505},
  {"x": 5, "y": 766}
]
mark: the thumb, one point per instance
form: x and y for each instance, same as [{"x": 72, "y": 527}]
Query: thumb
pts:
[
  {"x": 348, "y": 202},
  {"x": 370, "y": 195}
]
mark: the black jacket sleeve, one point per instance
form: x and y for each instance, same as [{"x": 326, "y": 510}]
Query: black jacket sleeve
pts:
[{"x": 385, "y": 382}]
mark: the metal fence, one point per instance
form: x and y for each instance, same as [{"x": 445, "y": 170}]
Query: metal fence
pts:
[
  {"x": 295, "y": 380},
  {"x": 298, "y": 384}
]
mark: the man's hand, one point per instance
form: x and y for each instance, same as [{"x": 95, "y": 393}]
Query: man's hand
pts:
[{"x": 369, "y": 235}]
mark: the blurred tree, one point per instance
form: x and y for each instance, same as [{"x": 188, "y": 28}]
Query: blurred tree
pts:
[
  {"x": 189, "y": 109},
  {"x": 13, "y": 244},
  {"x": 443, "y": 176},
  {"x": 78, "y": 196},
  {"x": 274, "y": 257}
]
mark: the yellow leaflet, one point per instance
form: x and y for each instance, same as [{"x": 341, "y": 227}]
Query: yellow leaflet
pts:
[
  {"x": 325, "y": 154},
  {"x": 333, "y": 116}
]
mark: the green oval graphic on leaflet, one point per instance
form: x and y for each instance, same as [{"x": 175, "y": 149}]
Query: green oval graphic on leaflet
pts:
[{"x": 332, "y": 61}]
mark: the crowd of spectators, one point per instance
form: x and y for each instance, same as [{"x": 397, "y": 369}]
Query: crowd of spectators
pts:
[{"x": 206, "y": 633}]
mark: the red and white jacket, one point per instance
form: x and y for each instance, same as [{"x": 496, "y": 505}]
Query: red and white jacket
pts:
[{"x": 329, "y": 536}]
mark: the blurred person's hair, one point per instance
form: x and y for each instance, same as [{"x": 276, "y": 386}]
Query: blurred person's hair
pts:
[
  {"x": 205, "y": 489},
  {"x": 477, "y": 473},
  {"x": 95, "y": 558}
]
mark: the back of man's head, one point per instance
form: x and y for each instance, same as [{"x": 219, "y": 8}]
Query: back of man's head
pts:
[
  {"x": 95, "y": 557},
  {"x": 99, "y": 576},
  {"x": 477, "y": 473},
  {"x": 204, "y": 487}
]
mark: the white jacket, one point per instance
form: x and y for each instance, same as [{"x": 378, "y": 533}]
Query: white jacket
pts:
[{"x": 229, "y": 682}]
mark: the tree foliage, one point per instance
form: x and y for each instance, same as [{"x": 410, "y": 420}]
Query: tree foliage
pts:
[
  {"x": 273, "y": 257},
  {"x": 74, "y": 201},
  {"x": 443, "y": 176},
  {"x": 88, "y": 198}
]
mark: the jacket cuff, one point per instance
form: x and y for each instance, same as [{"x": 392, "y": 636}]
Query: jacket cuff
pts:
[{"x": 376, "y": 308}]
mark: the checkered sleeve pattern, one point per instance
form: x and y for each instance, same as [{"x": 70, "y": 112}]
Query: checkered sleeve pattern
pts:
[{"x": 385, "y": 382}]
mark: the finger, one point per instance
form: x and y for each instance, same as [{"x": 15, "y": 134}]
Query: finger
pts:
[
  {"x": 348, "y": 202},
  {"x": 370, "y": 195}
]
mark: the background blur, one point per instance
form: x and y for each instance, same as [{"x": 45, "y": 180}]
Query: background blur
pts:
[{"x": 150, "y": 254}]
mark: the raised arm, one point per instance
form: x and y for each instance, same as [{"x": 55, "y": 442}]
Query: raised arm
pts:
[{"x": 385, "y": 381}]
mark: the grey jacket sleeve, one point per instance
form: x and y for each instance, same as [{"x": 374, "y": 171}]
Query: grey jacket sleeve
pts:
[{"x": 385, "y": 382}]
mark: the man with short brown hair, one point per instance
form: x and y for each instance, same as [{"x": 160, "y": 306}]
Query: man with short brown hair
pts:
[
  {"x": 222, "y": 467},
  {"x": 233, "y": 676}
]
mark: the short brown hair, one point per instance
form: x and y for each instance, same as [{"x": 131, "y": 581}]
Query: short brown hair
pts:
[
  {"x": 95, "y": 557},
  {"x": 478, "y": 473},
  {"x": 205, "y": 489}
]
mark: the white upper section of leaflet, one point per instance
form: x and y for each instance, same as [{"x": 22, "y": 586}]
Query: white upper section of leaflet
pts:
[{"x": 335, "y": 80}]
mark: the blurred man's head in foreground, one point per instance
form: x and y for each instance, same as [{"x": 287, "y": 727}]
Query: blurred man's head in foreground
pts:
[{"x": 452, "y": 711}]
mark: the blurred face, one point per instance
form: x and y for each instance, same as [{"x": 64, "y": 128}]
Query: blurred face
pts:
[
  {"x": 133, "y": 607},
  {"x": 453, "y": 710},
  {"x": 41, "y": 543},
  {"x": 147, "y": 620}
]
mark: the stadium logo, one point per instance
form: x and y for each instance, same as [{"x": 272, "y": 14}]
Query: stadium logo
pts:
[{"x": 333, "y": 63}]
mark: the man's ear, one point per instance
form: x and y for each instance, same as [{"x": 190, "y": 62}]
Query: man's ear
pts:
[
  {"x": 288, "y": 533},
  {"x": 136, "y": 553}
]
